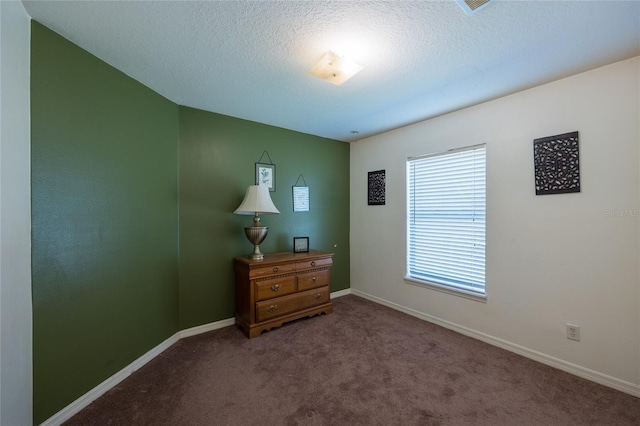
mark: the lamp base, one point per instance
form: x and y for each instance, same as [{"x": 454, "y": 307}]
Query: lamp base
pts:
[
  {"x": 256, "y": 234},
  {"x": 256, "y": 255}
]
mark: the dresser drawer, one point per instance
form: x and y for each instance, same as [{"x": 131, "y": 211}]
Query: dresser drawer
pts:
[
  {"x": 275, "y": 287},
  {"x": 317, "y": 263},
  {"x": 273, "y": 308},
  {"x": 314, "y": 279},
  {"x": 272, "y": 270}
]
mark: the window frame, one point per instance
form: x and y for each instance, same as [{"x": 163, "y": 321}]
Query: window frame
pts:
[{"x": 463, "y": 291}]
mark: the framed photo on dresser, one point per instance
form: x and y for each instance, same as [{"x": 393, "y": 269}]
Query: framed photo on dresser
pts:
[{"x": 300, "y": 244}]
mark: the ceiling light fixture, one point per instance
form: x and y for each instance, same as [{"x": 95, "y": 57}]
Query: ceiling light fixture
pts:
[
  {"x": 335, "y": 69},
  {"x": 472, "y": 6}
]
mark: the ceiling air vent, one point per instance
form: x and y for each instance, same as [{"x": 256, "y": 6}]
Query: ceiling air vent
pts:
[{"x": 472, "y": 6}]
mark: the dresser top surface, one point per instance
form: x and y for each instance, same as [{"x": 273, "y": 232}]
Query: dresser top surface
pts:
[{"x": 272, "y": 258}]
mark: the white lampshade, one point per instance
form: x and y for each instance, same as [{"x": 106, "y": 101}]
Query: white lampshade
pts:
[{"x": 257, "y": 201}]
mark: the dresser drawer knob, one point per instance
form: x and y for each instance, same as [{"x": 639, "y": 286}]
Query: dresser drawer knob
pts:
[
  {"x": 318, "y": 296},
  {"x": 272, "y": 308},
  {"x": 313, "y": 263},
  {"x": 275, "y": 287},
  {"x": 275, "y": 269},
  {"x": 313, "y": 280}
]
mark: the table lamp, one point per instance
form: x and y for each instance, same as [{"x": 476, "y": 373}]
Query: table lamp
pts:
[{"x": 256, "y": 201}]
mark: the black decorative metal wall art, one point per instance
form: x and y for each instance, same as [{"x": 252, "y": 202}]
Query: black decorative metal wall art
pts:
[
  {"x": 376, "y": 188},
  {"x": 557, "y": 165}
]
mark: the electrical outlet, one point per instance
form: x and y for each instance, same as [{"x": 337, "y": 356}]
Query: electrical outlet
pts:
[{"x": 573, "y": 332}]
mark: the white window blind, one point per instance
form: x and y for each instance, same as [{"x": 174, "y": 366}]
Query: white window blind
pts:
[{"x": 446, "y": 219}]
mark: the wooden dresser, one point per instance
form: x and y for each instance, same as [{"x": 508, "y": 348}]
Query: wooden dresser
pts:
[{"x": 281, "y": 287}]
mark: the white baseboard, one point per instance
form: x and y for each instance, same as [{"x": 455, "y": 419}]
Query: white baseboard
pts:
[
  {"x": 86, "y": 399},
  {"x": 577, "y": 370},
  {"x": 76, "y": 406},
  {"x": 193, "y": 331},
  {"x": 340, "y": 293}
]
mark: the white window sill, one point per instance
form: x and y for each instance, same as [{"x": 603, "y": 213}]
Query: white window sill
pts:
[{"x": 446, "y": 289}]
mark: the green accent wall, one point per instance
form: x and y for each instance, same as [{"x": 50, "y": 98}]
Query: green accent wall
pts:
[
  {"x": 217, "y": 163},
  {"x": 132, "y": 215},
  {"x": 104, "y": 220}
]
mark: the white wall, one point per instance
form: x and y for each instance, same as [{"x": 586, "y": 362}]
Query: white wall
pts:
[
  {"x": 15, "y": 218},
  {"x": 551, "y": 259}
]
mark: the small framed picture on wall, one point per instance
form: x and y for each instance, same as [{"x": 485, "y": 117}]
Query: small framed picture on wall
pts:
[{"x": 266, "y": 175}]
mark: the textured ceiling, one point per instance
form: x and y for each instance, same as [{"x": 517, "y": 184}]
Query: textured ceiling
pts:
[{"x": 421, "y": 58}]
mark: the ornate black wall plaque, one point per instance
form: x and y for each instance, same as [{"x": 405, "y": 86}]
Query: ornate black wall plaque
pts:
[
  {"x": 376, "y": 188},
  {"x": 556, "y": 161}
]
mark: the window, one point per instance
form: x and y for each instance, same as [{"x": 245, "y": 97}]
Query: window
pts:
[{"x": 446, "y": 220}]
